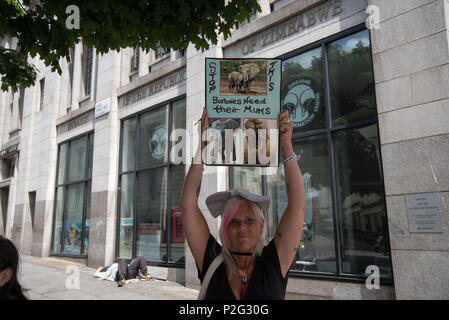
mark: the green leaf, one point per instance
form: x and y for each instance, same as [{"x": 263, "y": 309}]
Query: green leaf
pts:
[{"x": 111, "y": 25}]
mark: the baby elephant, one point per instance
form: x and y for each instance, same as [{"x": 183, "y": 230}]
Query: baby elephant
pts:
[
  {"x": 249, "y": 72},
  {"x": 235, "y": 81}
]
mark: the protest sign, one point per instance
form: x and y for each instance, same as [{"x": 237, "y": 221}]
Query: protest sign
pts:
[{"x": 243, "y": 104}]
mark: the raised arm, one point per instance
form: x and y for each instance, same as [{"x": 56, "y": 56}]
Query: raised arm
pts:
[
  {"x": 195, "y": 225},
  {"x": 288, "y": 233}
]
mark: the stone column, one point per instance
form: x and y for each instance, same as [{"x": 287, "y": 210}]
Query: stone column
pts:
[
  {"x": 125, "y": 56},
  {"x": 15, "y": 219},
  {"x": 105, "y": 165},
  {"x": 172, "y": 55},
  {"x": 144, "y": 60},
  {"x": 4, "y": 101},
  {"x": 14, "y": 124},
  {"x": 411, "y": 69},
  {"x": 66, "y": 88},
  {"x": 47, "y": 157},
  {"x": 77, "y": 74}
]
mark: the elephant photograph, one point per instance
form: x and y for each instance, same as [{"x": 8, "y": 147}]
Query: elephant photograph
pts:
[
  {"x": 251, "y": 145},
  {"x": 221, "y": 124},
  {"x": 243, "y": 77}
]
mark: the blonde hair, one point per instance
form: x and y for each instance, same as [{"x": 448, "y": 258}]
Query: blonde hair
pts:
[{"x": 229, "y": 212}]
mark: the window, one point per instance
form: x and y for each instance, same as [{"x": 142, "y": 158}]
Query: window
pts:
[
  {"x": 7, "y": 168},
  {"x": 32, "y": 203},
  {"x": 328, "y": 89},
  {"x": 4, "y": 197},
  {"x": 87, "y": 69},
  {"x": 41, "y": 101},
  {"x": 72, "y": 197},
  {"x": 150, "y": 187},
  {"x": 160, "y": 51}
]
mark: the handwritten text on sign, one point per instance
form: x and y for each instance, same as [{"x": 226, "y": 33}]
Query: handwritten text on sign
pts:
[{"x": 246, "y": 88}]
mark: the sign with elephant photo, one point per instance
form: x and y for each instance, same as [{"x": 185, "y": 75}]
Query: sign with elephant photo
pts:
[{"x": 243, "y": 104}]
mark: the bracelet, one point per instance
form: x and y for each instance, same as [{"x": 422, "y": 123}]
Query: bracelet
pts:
[{"x": 293, "y": 155}]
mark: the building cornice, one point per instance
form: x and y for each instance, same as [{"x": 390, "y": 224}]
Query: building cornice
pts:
[
  {"x": 270, "y": 20},
  {"x": 152, "y": 76}
]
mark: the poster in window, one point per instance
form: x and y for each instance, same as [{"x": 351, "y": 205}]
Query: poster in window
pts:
[{"x": 243, "y": 105}]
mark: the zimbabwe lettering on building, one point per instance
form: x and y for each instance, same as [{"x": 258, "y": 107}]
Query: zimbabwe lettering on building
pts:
[{"x": 292, "y": 26}]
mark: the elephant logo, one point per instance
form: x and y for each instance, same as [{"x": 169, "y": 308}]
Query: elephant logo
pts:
[
  {"x": 158, "y": 142},
  {"x": 302, "y": 100}
]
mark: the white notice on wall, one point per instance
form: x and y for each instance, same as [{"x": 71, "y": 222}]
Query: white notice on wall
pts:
[
  {"x": 102, "y": 107},
  {"x": 424, "y": 213}
]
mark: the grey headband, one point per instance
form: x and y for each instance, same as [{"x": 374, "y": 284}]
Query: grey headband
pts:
[{"x": 217, "y": 202}]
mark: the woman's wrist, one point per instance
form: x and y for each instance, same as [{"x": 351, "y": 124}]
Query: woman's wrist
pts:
[
  {"x": 290, "y": 158},
  {"x": 286, "y": 152},
  {"x": 197, "y": 162},
  {"x": 197, "y": 158}
]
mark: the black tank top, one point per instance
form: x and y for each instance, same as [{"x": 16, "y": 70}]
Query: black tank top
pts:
[{"x": 266, "y": 282}]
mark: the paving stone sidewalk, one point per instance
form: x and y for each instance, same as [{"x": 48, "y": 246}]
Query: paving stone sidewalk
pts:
[{"x": 46, "y": 279}]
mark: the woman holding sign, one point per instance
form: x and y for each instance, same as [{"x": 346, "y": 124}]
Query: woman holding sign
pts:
[{"x": 243, "y": 267}]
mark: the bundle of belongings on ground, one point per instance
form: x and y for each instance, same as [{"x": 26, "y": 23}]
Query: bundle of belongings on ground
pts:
[{"x": 109, "y": 273}]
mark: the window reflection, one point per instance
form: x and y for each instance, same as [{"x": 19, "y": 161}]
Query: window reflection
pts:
[
  {"x": 62, "y": 165},
  {"x": 72, "y": 197},
  {"x": 316, "y": 251},
  {"x": 78, "y": 149},
  {"x": 153, "y": 138},
  {"x": 177, "y": 230},
  {"x": 303, "y": 90},
  {"x": 158, "y": 233},
  {"x": 179, "y": 122},
  {"x": 126, "y": 216},
  {"x": 87, "y": 220},
  {"x": 151, "y": 214},
  {"x": 57, "y": 224},
  {"x": 360, "y": 198},
  {"x": 90, "y": 150},
  {"x": 351, "y": 79},
  {"x": 129, "y": 144},
  {"x": 73, "y": 220},
  {"x": 248, "y": 178}
]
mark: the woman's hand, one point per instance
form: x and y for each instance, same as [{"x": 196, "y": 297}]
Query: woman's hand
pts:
[{"x": 285, "y": 131}]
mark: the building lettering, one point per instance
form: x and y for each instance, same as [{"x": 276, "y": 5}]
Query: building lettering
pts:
[
  {"x": 77, "y": 122},
  {"x": 9, "y": 150},
  {"x": 292, "y": 26},
  {"x": 153, "y": 87}
]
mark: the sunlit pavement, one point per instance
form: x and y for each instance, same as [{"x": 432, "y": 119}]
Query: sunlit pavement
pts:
[{"x": 57, "y": 279}]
